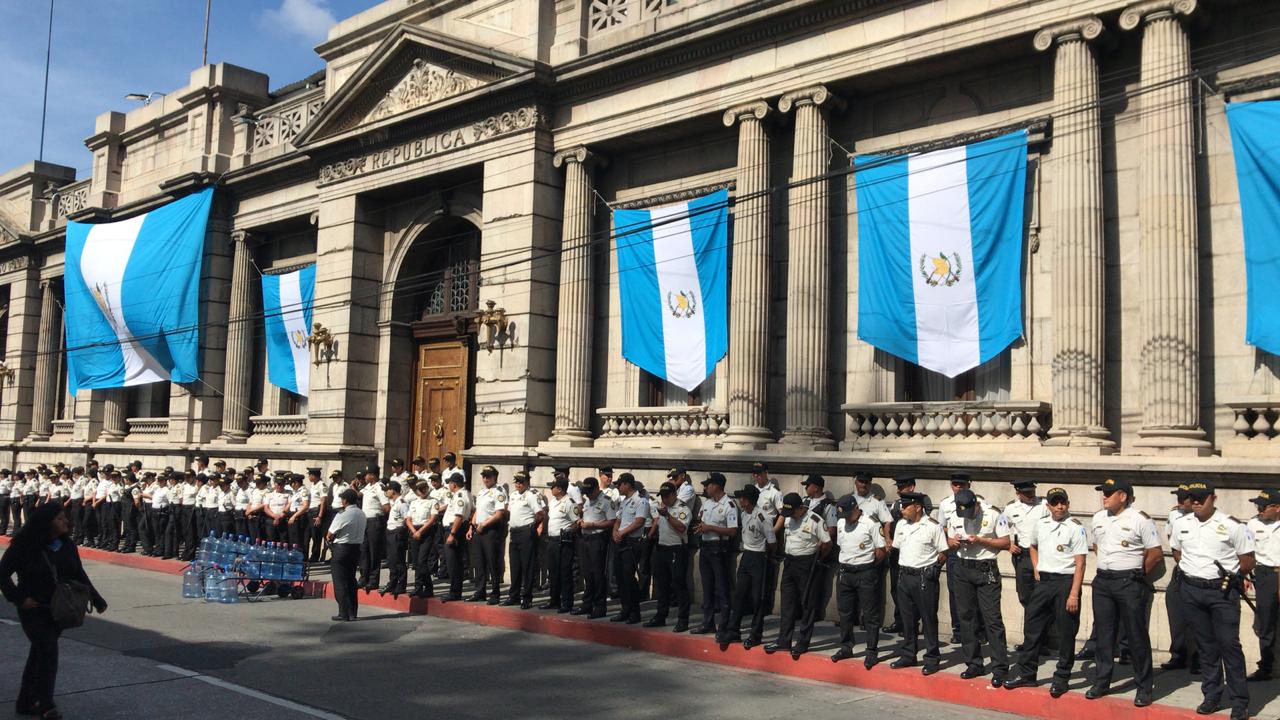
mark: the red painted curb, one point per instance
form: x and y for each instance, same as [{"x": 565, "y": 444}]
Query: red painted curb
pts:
[{"x": 942, "y": 687}]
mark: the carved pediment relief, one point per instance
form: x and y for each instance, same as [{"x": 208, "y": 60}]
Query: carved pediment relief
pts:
[{"x": 424, "y": 84}]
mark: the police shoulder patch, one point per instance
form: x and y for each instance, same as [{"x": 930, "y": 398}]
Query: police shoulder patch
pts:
[{"x": 1144, "y": 515}]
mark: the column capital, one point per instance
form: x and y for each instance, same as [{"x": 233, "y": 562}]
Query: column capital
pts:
[
  {"x": 49, "y": 284},
  {"x": 1081, "y": 29},
  {"x": 1134, "y": 15},
  {"x": 817, "y": 95},
  {"x": 746, "y": 111},
  {"x": 239, "y": 236},
  {"x": 580, "y": 155}
]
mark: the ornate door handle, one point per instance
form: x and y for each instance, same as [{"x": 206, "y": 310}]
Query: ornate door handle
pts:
[{"x": 438, "y": 430}]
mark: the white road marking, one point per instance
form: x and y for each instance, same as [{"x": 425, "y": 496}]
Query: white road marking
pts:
[
  {"x": 7, "y": 622},
  {"x": 279, "y": 702}
]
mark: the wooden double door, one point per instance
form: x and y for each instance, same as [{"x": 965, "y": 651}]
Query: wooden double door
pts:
[{"x": 440, "y": 397}]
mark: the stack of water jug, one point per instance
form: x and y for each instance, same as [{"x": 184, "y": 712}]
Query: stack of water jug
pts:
[{"x": 222, "y": 561}]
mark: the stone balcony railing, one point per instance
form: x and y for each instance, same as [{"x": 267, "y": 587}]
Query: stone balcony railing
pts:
[
  {"x": 273, "y": 428},
  {"x": 1255, "y": 427},
  {"x": 957, "y": 426},
  {"x": 681, "y": 426},
  {"x": 63, "y": 430},
  {"x": 148, "y": 429},
  {"x": 70, "y": 199},
  {"x": 276, "y": 126}
]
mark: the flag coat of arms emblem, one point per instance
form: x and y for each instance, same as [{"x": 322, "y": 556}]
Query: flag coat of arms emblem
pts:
[
  {"x": 940, "y": 252},
  {"x": 1255, "y": 140},
  {"x": 673, "y": 271},
  {"x": 133, "y": 297},
  {"x": 287, "y": 303}
]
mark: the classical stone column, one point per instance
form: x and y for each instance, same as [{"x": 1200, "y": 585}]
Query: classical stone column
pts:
[
  {"x": 1076, "y": 213},
  {"x": 240, "y": 327},
  {"x": 1167, "y": 233},
  {"x": 808, "y": 272},
  {"x": 48, "y": 343},
  {"x": 573, "y": 333},
  {"x": 749, "y": 286},
  {"x": 114, "y": 409}
]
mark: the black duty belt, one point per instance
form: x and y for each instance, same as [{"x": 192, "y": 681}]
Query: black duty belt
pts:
[
  {"x": 1214, "y": 584},
  {"x": 856, "y": 568},
  {"x": 801, "y": 557},
  {"x": 1264, "y": 569},
  {"x": 1055, "y": 576},
  {"x": 1120, "y": 574},
  {"x": 904, "y": 570},
  {"x": 979, "y": 564}
]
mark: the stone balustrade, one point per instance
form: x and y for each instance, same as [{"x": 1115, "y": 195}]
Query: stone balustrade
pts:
[
  {"x": 682, "y": 426},
  {"x": 277, "y": 125},
  {"x": 958, "y": 425},
  {"x": 71, "y": 199},
  {"x": 1255, "y": 427},
  {"x": 63, "y": 430},
  {"x": 279, "y": 426},
  {"x": 148, "y": 429}
]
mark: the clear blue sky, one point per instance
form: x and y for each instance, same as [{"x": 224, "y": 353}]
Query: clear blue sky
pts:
[{"x": 105, "y": 49}]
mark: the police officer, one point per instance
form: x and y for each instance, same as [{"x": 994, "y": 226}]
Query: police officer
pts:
[
  {"x": 375, "y": 505},
  {"x": 862, "y": 547},
  {"x": 562, "y": 520},
  {"x": 595, "y": 527},
  {"x": 671, "y": 558},
  {"x": 947, "y": 508},
  {"x": 6, "y": 490},
  {"x": 399, "y": 474},
  {"x": 397, "y": 543},
  {"x": 1215, "y": 552},
  {"x": 1057, "y": 545},
  {"x": 1023, "y": 512},
  {"x": 528, "y": 512},
  {"x": 1128, "y": 548},
  {"x": 317, "y": 511},
  {"x": 751, "y": 583},
  {"x": 976, "y": 533},
  {"x": 440, "y": 495},
  {"x": 1266, "y": 540},
  {"x": 345, "y": 533},
  {"x": 922, "y": 550},
  {"x": 489, "y": 532},
  {"x": 628, "y": 536},
  {"x": 805, "y": 541},
  {"x": 456, "y": 519},
  {"x": 716, "y": 528},
  {"x": 816, "y": 497},
  {"x": 770, "y": 504},
  {"x": 165, "y": 537},
  {"x": 421, "y": 522},
  {"x": 1181, "y": 642},
  {"x": 605, "y": 476},
  {"x": 276, "y": 507},
  {"x": 296, "y": 523},
  {"x": 903, "y": 483}
]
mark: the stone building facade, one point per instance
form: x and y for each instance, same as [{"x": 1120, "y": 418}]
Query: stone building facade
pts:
[{"x": 451, "y": 172}]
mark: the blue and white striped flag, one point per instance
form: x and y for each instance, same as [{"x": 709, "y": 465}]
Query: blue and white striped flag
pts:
[
  {"x": 1255, "y": 139},
  {"x": 133, "y": 297},
  {"x": 940, "y": 252},
  {"x": 287, "y": 302},
  {"x": 673, "y": 275}
]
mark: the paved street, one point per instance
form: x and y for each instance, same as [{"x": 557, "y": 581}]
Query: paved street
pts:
[{"x": 388, "y": 666}]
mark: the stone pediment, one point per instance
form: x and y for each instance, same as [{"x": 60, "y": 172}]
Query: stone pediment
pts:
[{"x": 412, "y": 71}]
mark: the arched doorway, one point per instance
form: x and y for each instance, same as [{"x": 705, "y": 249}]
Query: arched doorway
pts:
[{"x": 436, "y": 296}]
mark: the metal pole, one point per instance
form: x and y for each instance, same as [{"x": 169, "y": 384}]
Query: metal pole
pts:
[
  {"x": 44, "y": 106},
  {"x": 204, "y": 53}
]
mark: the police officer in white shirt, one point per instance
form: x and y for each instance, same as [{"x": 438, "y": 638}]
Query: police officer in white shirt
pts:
[
  {"x": 628, "y": 538},
  {"x": 276, "y": 507},
  {"x": 527, "y": 512},
  {"x": 751, "y": 581},
  {"x": 6, "y": 490},
  {"x": 671, "y": 520},
  {"x": 451, "y": 468},
  {"x": 716, "y": 527},
  {"x": 1057, "y": 546},
  {"x": 346, "y": 534},
  {"x": 227, "y": 504},
  {"x": 421, "y": 522},
  {"x": 1265, "y": 527},
  {"x": 1023, "y": 512},
  {"x": 1181, "y": 643},
  {"x": 562, "y": 519},
  {"x": 296, "y": 513},
  {"x": 399, "y": 474},
  {"x": 489, "y": 532},
  {"x": 397, "y": 542},
  {"x": 440, "y": 497},
  {"x": 162, "y": 527},
  {"x": 922, "y": 550},
  {"x": 805, "y": 541},
  {"x": 947, "y": 508},
  {"x": 375, "y": 505},
  {"x": 317, "y": 510},
  {"x": 1215, "y": 552},
  {"x": 596, "y": 526},
  {"x": 1128, "y": 548},
  {"x": 771, "y": 505},
  {"x": 976, "y": 533},
  {"x": 456, "y": 521},
  {"x": 862, "y": 547}
]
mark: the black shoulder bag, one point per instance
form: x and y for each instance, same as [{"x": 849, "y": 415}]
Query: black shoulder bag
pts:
[{"x": 70, "y": 601}]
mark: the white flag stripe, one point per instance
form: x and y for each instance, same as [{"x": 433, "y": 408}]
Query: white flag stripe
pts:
[
  {"x": 946, "y": 312},
  {"x": 684, "y": 335},
  {"x": 295, "y": 325},
  {"x": 102, "y": 265}
]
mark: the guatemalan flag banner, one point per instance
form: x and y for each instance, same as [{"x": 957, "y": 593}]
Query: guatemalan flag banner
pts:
[
  {"x": 287, "y": 302},
  {"x": 673, "y": 275},
  {"x": 133, "y": 297},
  {"x": 1255, "y": 137},
  {"x": 940, "y": 252}
]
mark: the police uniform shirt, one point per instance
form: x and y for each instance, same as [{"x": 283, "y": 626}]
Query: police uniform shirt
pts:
[
  {"x": 190, "y": 492},
  {"x": 1023, "y": 518},
  {"x": 420, "y": 511},
  {"x": 1122, "y": 539},
  {"x": 614, "y": 495},
  {"x": 396, "y": 516},
  {"x": 489, "y": 502},
  {"x": 243, "y": 498},
  {"x": 257, "y": 496},
  {"x": 319, "y": 490},
  {"x": 160, "y": 498},
  {"x": 1221, "y": 538},
  {"x": 373, "y": 499},
  {"x": 667, "y": 535},
  {"x": 212, "y": 497},
  {"x": 770, "y": 501},
  {"x": 873, "y": 508},
  {"x": 756, "y": 530},
  {"x": 201, "y": 495},
  {"x": 524, "y": 507},
  {"x": 446, "y": 474},
  {"x": 348, "y": 527},
  {"x": 858, "y": 541},
  {"x": 597, "y": 511},
  {"x": 297, "y": 498},
  {"x": 460, "y": 505},
  {"x": 77, "y": 489},
  {"x": 946, "y": 509},
  {"x": 99, "y": 493},
  {"x": 1266, "y": 541},
  {"x": 561, "y": 515},
  {"x": 629, "y": 509},
  {"x": 830, "y": 515},
  {"x": 685, "y": 493},
  {"x": 1057, "y": 544},
  {"x": 717, "y": 512},
  {"x": 16, "y": 492},
  {"x": 227, "y": 499},
  {"x": 6, "y": 487},
  {"x": 46, "y": 487},
  {"x": 278, "y": 501},
  {"x": 919, "y": 543},
  {"x": 803, "y": 536},
  {"x": 337, "y": 489},
  {"x": 575, "y": 494},
  {"x": 115, "y": 492},
  {"x": 989, "y": 523},
  {"x": 402, "y": 478},
  {"x": 440, "y": 496}
]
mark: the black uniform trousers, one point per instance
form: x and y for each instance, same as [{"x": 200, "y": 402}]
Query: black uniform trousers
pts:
[
  {"x": 489, "y": 560},
  {"x": 397, "y": 572},
  {"x": 15, "y": 510},
  {"x": 1265, "y": 585},
  {"x": 453, "y": 560},
  {"x": 523, "y": 553},
  {"x": 343, "y": 570},
  {"x": 715, "y": 560},
  {"x": 315, "y": 535},
  {"x": 241, "y": 523},
  {"x": 146, "y": 528},
  {"x": 4, "y": 516},
  {"x": 918, "y": 599},
  {"x": 977, "y": 596},
  {"x": 1047, "y": 616},
  {"x": 109, "y": 521},
  {"x": 951, "y": 593},
  {"x": 166, "y": 543},
  {"x": 1024, "y": 576},
  {"x": 594, "y": 595},
  {"x": 1215, "y": 618},
  {"x": 627, "y": 563},
  {"x": 421, "y": 556},
  {"x": 749, "y": 588},
  {"x": 560, "y": 553},
  {"x": 75, "y": 512},
  {"x": 671, "y": 581},
  {"x": 129, "y": 513},
  {"x": 299, "y": 530},
  {"x": 645, "y": 567},
  {"x": 858, "y": 593},
  {"x": 1120, "y": 601},
  {"x": 226, "y": 523},
  {"x": 185, "y": 532},
  {"x": 800, "y": 589},
  {"x": 1181, "y": 639},
  {"x": 375, "y": 538},
  {"x": 28, "y": 506},
  {"x": 41, "y": 670}
]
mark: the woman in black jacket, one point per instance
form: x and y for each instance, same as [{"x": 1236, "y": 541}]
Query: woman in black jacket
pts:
[{"x": 44, "y": 545}]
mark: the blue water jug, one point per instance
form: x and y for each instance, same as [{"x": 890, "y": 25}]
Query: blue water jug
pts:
[{"x": 192, "y": 582}]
